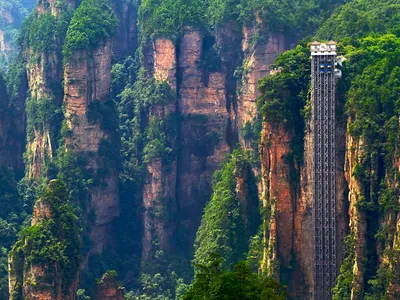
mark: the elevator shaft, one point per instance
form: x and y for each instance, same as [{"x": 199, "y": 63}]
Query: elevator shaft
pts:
[{"x": 324, "y": 169}]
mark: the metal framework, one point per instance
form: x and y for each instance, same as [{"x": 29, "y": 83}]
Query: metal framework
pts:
[{"x": 323, "y": 62}]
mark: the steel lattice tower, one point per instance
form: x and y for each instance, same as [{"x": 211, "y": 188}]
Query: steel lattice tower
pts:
[{"x": 323, "y": 62}]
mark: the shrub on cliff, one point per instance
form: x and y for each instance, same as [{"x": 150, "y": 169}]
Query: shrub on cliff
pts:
[
  {"x": 361, "y": 18},
  {"x": 168, "y": 17},
  {"x": 54, "y": 240},
  {"x": 212, "y": 282},
  {"x": 93, "y": 22},
  {"x": 284, "y": 97},
  {"x": 227, "y": 226}
]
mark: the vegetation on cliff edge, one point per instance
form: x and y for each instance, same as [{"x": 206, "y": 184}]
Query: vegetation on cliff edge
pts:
[
  {"x": 93, "y": 22},
  {"x": 54, "y": 241},
  {"x": 229, "y": 221}
]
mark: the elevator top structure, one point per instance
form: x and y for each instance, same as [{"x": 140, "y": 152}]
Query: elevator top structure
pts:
[{"x": 328, "y": 48}]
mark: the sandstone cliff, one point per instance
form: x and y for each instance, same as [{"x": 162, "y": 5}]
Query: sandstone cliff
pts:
[
  {"x": 69, "y": 99},
  {"x": 213, "y": 103},
  {"x": 376, "y": 253},
  {"x": 211, "y": 118},
  {"x": 260, "y": 51},
  {"x": 4, "y": 45},
  {"x": 286, "y": 190},
  {"x": 202, "y": 104},
  {"x": 357, "y": 217},
  {"x": 177, "y": 186},
  {"x": 45, "y": 75},
  {"x": 43, "y": 264},
  {"x": 126, "y": 38},
  {"x": 159, "y": 191},
  {"x": 87, "y": 84},
  {"x": 391, "y": 257}
]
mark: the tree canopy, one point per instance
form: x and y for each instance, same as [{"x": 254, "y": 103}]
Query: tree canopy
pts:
[{"x": 212, "y": 282}]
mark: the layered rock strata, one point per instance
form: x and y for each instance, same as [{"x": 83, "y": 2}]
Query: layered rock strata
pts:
[
  {"x": 45, "y": 75},
  {"x": 87, "y": 84}
]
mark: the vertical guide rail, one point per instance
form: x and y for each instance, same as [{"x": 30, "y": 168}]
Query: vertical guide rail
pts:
[
  {"x": 324, "y": 168},
  {"x": 326, "y": 187},
  {"x": 319, "y": 205},
  {"x": 333, "y": 174}
]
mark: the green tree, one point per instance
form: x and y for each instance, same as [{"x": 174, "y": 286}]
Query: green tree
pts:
[
  {"x": 93, "y": 22},
  {"x": 52, "y": 241},
  {"x": 227, "y": 224},
  {"x": 166, "y": 18},
  {"x": 213, "y": 283},
  {"x": 361, "y": 18}
]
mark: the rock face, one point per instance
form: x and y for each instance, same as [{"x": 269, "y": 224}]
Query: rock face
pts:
[
  {"x": 393, "y": 243},
  {"x": 246, "y": 193},
  {"x": 87, "y": 84},
  {"x": 288, "y": 238},
  {"x": 278, "y": 192},
  {"x": 208, "y": 126},
  {"x": 182, "y": 185},
  {"x": 202, "y": 104},
  {"x": 85, "y": 96},
  {"x": 358, "y": 224},
  {"x": 159, "y": 191},
  {"x": 213, "y": 106},
  {"x": 45, "y": 75},
  {"x": 386, "y": 248},
  {"x": 39, "y": 281},
  {"x": 12, "y": 127},
  {"x": 258, "y": 58},
  {"x": 287, "y": 190},
  {"x": 126, "y": 38},
  {"x": 4, "y": 46}
]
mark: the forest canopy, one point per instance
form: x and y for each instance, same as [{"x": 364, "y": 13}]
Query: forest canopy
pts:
[{"x": 168, "y": 18}]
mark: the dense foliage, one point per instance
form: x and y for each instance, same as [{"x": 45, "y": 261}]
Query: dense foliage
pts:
[
  {"x": 43, "y": 33},
  {"x": 148, "y": 130},
  {"x": 344, "y": 281},
  {"x": 53, "y": 241},
  {"x": 285, "y": 94},
  {"x": 168, "y": 18},
  {"x": 212, "y": 282},
  {"x": 93, "y": 22},
  {"x": 41, "y": 114},
  {"x": 229, "y": 222},
  {"x": 361, "y": 18},
  {"x": 144, "y": 136},
  {"x": 284, "y": 99},
  {"x": 14, "y": 211},
  {"x": 39, "y": 33},
  {"x": 372, "y": 102}
]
